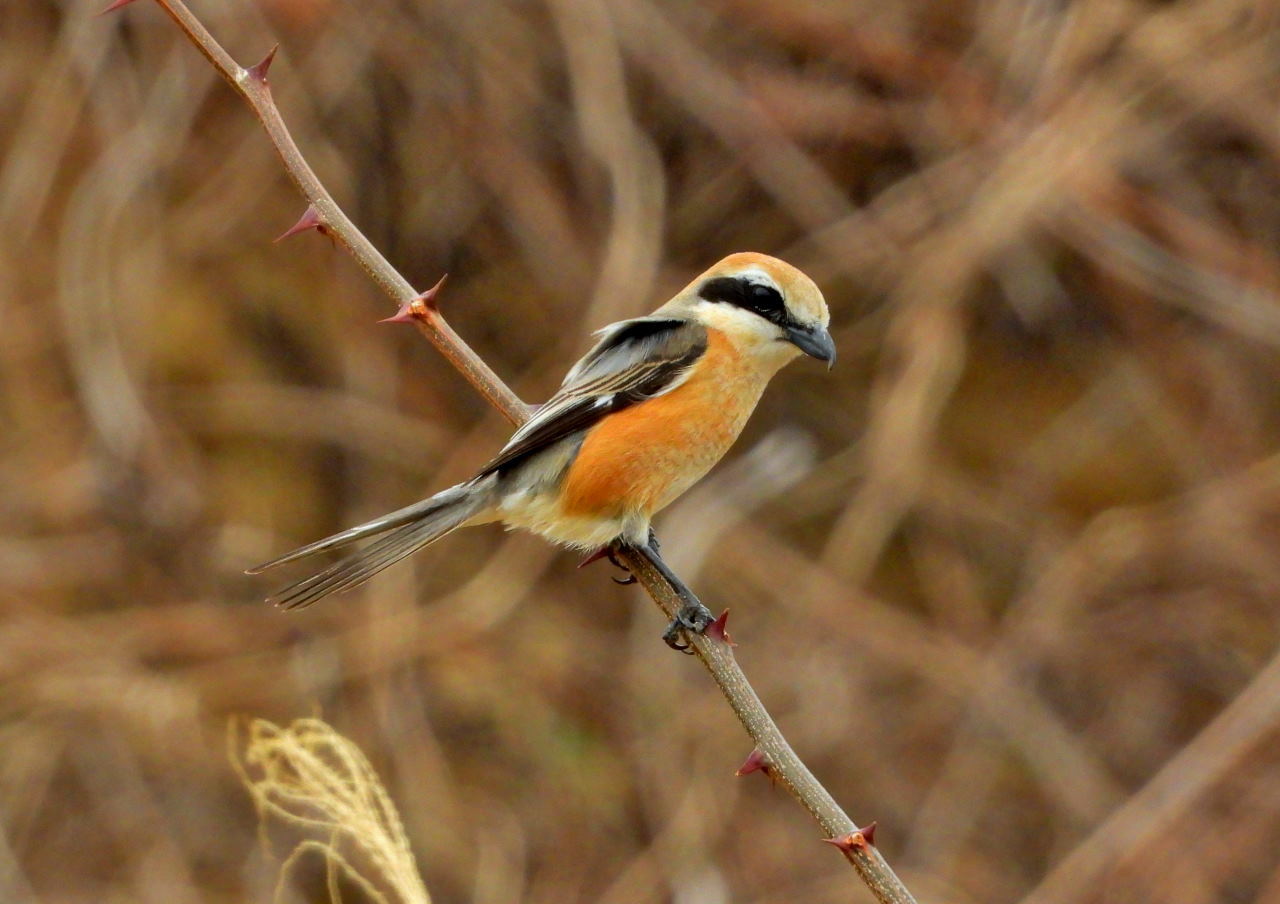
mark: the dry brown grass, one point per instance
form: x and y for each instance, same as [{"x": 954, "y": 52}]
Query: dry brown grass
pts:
[
  {"x": 312, "y": 779},
  {"x": 1007, "y": 576}
]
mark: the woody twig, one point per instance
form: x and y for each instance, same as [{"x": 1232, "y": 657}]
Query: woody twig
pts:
[{"x": 772, "y": 754}]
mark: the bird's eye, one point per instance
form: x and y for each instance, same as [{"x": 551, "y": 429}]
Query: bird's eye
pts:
[{"x": 767, "y": 302}]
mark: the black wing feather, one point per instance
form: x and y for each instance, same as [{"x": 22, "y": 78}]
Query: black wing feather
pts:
[{"x": 662, "y": 349}]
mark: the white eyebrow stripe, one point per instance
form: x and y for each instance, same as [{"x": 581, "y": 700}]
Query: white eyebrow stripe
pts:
[{"x": 758, "y": 276}]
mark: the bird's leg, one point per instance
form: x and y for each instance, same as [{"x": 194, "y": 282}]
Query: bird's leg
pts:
[{"x": 693, "y": 617}]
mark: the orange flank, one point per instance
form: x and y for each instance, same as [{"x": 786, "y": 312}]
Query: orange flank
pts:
[{"x": 643, "y": 457}]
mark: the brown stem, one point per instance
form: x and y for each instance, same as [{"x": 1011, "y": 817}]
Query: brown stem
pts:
[
  {"x": 251, "y": 84},
  {"x": 717, "y": 655}
]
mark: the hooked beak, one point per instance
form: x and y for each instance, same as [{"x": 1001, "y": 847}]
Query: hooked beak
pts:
[{"x": 814, "y": 341}]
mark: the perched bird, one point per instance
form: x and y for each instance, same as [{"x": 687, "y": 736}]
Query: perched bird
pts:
[{"x": 641, "y": 418}]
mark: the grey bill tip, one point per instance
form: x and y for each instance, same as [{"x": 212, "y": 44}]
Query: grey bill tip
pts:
[{"x": 814, "y": 341}]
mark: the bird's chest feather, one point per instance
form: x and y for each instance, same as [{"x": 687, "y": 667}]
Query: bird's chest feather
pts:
[{"x": 643, "y": 457}]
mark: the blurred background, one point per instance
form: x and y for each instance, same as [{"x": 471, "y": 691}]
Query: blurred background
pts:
[{"x": 1007, "y": 576}]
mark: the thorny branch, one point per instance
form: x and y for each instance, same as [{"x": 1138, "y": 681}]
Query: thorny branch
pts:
[{"x": 773, "y": 754}]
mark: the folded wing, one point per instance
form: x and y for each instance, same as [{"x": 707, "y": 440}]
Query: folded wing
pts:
[{"x": 633, "y": 361}]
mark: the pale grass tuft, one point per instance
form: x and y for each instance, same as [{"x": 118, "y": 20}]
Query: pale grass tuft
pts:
[{"x": 311, "y": 777}]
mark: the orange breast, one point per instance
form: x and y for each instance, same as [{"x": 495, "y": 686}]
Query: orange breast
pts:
[{"x": 643, "y": 457}]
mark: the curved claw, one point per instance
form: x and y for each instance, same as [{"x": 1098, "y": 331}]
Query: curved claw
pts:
[
  {"x": 672, "y": 639},
  {"x": 612, "y": 556},
  {"x": 610, "y": 553},
  {"x": 691, "y": 619}
]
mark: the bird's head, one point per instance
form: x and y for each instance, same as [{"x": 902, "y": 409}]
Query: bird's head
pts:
[{"x": 765, "y": 305}]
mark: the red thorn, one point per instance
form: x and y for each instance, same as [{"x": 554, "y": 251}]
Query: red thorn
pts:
[
  {"x": 419, "y": 308},
  {"x": 406, "y": 314},
  {"x": 755, "y": 762},
  {"x": 115, "y": 5},
  {"x": 428, "y": 298},
  {"x": 717, "y": 629},
  {"x": 258, "y": 71},
  {"x": 857, "y": 840},
  {"x": 310, "y": 219},
  {"x": 596, "y": 556},
  {"x": 847, "y": 843}
]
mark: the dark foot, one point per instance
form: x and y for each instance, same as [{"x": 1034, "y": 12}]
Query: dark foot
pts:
[
  {"x": 693, "y": 618},
  {"x": 610, "y": 553}
]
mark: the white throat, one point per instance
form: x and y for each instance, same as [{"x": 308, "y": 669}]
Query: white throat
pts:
[{"x": 749, "y": 332}]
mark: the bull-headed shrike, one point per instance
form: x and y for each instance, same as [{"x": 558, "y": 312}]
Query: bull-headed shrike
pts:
[{"x": 640, "y": 419}]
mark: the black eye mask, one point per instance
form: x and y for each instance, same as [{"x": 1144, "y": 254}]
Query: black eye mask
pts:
[{"x": 743, "y": 293}]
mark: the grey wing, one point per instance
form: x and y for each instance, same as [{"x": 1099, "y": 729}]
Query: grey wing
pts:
[{"x": 634, "y": 360}]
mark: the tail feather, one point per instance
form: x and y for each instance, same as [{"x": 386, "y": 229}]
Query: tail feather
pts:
[
  {"x": 356, "y": 568},
  {"x": 406, "y": 515},
  {"x": 407, "y": 534}
]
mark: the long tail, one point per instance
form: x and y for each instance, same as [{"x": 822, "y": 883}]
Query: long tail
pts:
[{"x": 407, "y": 530}]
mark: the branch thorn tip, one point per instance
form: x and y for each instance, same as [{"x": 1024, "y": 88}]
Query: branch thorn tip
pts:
[
  {"x": 420, "y": 307},
  {"x": 113, "y": 6},
  {"x": 310, "y": 219},
  {"x": 857, "y": 840},
  {"x": 428, "y": 298},
  {"x": 718, "y": 631},
  {"x": 601, "y": 553},
  {"x": 408, "y": 313},
  {"x": 258, "y": 71},
  {"x": 755, "y": 762}
]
